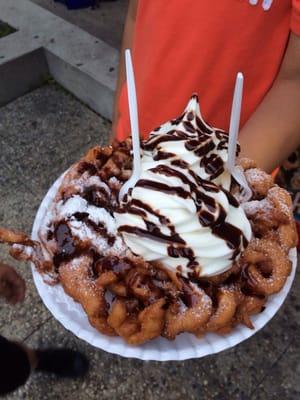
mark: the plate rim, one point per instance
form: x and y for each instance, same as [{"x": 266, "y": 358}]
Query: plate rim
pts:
[{"x": 215, "y": 343}]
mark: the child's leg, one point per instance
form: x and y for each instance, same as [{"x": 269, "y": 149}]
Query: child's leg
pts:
[
  {"x": 17, "y": 361},
  {"x": 15, "y": 366}
]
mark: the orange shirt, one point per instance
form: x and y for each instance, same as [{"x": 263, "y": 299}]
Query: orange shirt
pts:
[{"x": 186, "y": 46}]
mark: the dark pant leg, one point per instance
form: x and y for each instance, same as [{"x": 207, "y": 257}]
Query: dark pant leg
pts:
[{"x": 14, "y": 366}]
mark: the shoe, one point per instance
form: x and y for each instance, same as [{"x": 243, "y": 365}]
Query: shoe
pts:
[{"x": 64, "y": 363}]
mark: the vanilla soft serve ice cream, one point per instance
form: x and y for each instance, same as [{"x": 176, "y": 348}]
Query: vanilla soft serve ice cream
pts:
[{"x": 181, "y": 212}]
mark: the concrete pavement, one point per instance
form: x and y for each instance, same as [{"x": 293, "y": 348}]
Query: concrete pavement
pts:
[
  {"x": 44, "y": 45},
  {"x": 104, "y": 22}
]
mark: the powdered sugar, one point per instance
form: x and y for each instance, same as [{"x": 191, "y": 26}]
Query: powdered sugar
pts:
[
  {"x": 26, "y": 250},
  {"x": 75, "y": 204},
  {"x": 84, "y": 233},
  {"x": 284, "y": 208},
  {"x": 114, "y": 181},
  {"x": 75, "y": 263},
  {"x": 71, "y": 206},
  {"x": 257, "y": 176},
  {"x": 253, "y": 207}
]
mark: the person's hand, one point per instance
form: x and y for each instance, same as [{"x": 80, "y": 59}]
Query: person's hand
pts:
[{"x": 12, "y": 286}]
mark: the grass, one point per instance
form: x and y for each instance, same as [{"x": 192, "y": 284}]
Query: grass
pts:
[{"x": 5, "y": 29}]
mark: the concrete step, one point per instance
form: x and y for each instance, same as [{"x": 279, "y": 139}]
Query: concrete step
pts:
[{"x": 45, "y": 43}]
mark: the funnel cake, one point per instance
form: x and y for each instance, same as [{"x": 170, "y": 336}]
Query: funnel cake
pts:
[{"x": 128, "y": 290}]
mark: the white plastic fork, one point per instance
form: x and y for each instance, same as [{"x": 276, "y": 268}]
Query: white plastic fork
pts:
[
  {"x": 133, "y": 113},
  {"x": 235, "y": 170}
]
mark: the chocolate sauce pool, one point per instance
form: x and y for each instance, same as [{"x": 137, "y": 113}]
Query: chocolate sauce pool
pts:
[{"x": 65, "y": 242}]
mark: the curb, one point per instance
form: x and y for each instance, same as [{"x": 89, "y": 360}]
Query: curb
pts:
[{"x": 47, "y": 44}]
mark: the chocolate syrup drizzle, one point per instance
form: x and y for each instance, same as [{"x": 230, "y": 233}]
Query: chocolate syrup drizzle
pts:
[
  {"x": 198, "y": 138},
  {"x": 67, "y": 246},
  {"x": 65, "y": 242}
]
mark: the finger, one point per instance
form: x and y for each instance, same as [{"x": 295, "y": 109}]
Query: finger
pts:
[
  {"x": 16, "y": 285},
  {"x": 12, "y": 300},
  {"x": 12, "y": 277},
  {"x": 19, "y": 290},
  {"x": 5, "y": 291},
  {"x": 14, "y": 296}
]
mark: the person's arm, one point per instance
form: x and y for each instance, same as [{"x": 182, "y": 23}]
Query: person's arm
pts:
[
  {"x": 126, "y": 44},
  {"x": 12, "y": 285},
  {"x": 273, "y": 131}
]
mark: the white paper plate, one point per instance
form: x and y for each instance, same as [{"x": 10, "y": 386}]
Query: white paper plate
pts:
[{"x": 71, "y": 315}]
